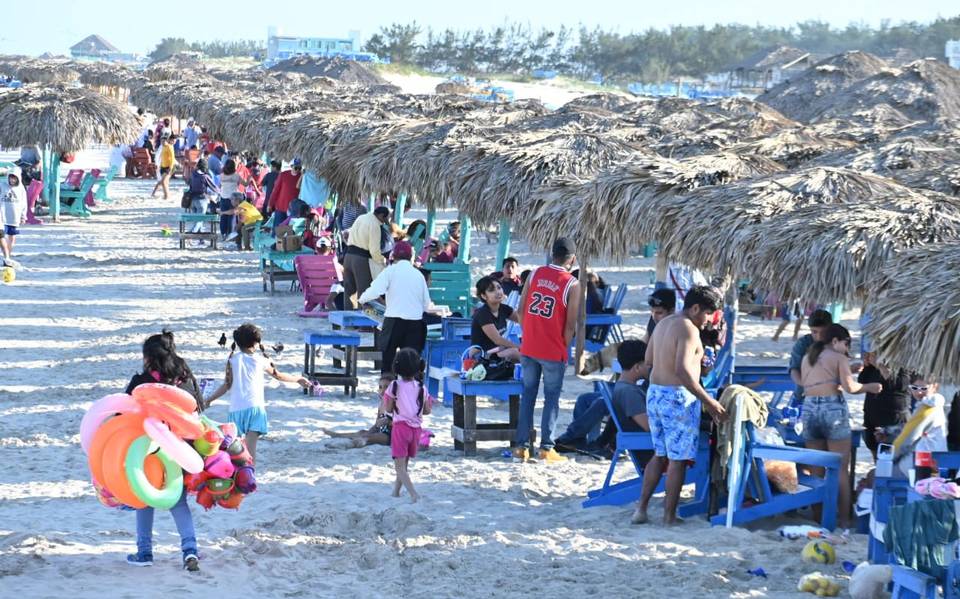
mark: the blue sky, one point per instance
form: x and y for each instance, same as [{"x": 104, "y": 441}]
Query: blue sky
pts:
[{"x": 133, "y": 26}]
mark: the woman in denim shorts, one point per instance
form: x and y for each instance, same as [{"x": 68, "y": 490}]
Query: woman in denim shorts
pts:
[{"x": 825, "y": 374}]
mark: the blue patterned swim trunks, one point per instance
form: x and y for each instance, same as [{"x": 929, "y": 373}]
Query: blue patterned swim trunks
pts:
[{"x": 674, "y": 416}]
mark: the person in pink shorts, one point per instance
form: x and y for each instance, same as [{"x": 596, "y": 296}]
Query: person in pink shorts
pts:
[{"x": 408, "y": 401}]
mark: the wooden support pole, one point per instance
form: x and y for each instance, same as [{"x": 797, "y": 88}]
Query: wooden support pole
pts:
[
  {"x": 663, "y": 268},
  {"x": 431, "y": 222},
  {"x": 371, "y": 202},
  {"x": 55, "y": 182},
  {"x": 401, "y": 206},
  {"x": 503, "y": 244},
  {"x": 581, "y": 334},
  {"x": 465, "y": 225}
]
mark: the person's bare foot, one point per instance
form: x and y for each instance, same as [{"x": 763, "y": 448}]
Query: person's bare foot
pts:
[
  {"x": 414, "y": 497},
  {"x": 673, "y": 521},
  {"x": 639, "y": 517},
  {"x": 396, "y": 489}
]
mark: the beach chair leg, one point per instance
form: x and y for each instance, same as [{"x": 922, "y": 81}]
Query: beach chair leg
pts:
[
  {"x": 307, "y": 370},
  {"x": 457, "y": 417}
]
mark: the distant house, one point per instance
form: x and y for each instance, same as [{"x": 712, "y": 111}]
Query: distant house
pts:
[
  {"x": 762, "y": 70},
  {"x": 281, "y": 47},
  {"x": 93, "y": 47}
]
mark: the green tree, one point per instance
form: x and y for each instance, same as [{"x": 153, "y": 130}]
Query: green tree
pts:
[
  {"x": 167, "y": 47},
  {"x": 397, "y": 42}
]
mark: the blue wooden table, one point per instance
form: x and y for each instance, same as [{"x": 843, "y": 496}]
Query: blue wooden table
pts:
[
  {"x": 355, "y": 320},
  {"x": 465, "y": 430}
]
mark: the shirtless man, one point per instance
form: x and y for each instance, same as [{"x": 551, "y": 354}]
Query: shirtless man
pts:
[{"x": 674, "y": 398}]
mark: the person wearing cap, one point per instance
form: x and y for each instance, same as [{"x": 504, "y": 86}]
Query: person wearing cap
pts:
[
  {"x": 663, "y": 303},
  {"x": 285, "y": 191},
  {"x": 363, "y": 260},
  {"x": 548, "y": 315},
  {"x": 407, "y": 298},
  {"x": 168, "y": 161}
]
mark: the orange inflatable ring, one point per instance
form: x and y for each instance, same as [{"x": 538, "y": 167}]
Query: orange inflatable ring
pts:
[
  {"x": 114, "y": 457},
  {"x": 102, "y": 436}
]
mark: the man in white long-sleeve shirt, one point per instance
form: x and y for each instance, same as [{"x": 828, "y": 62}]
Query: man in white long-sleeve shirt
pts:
[{"x": 407, "y": 298}]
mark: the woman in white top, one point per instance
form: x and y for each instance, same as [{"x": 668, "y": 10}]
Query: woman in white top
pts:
[
  {"x": 245, "y": 381},
  {"x": 407, "y": 298}
]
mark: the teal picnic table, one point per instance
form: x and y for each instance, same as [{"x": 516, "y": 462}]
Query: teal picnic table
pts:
[{"x": 192, "y": 219}]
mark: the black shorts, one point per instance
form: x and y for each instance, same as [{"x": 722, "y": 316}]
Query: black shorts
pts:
[{"x": 164, "y": 170}]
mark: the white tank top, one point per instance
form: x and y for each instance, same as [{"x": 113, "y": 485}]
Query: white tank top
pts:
[{"x": 248, "y": 381}]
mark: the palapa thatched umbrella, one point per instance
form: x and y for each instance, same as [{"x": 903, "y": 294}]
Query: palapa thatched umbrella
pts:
[
  {"x": 632, "y": 202},
  {"x": 828, "y": 252},
  {"x": 734, "y": 208},
  {"x": 46, "y": 72},
  {"x": 915, "y": 311},
  {"x": 62, "y": 119},
  {"x": 792, "y": 147}
]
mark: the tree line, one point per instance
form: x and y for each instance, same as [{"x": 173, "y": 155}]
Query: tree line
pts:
[
  {"x": 169, "y": 46},
  {"x": 652, "y": 55}
]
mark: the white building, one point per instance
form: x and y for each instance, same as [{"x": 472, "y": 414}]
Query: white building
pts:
[
  {"x": 282, "y": 47},
  {"x": 953, "y": 53}
]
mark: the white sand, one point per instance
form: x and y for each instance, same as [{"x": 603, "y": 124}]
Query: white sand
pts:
[
  {"x": 552, "y": 93},
  {"x": 323, "y": 523}
]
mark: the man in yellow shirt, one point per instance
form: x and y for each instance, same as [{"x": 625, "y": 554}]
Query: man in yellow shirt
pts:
[
  {"x": 168, "y": 160},
  {"x": 248, "y": 215},
  {"x": 363, "y": 258}
]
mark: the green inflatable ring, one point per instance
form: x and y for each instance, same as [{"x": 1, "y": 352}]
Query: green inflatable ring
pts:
[{"x": 164, "y": 498}]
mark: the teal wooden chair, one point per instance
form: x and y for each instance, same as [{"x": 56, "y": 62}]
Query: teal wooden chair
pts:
[
  {"x": 76, "y": 205},
  {"x": 450, "y": 286},
  {"x": 101, "y": 183}
]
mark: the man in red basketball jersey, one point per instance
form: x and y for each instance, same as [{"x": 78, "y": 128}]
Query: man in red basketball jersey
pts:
[{"x": 548, "y": 314}]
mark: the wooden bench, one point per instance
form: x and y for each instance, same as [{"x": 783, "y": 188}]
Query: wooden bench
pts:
[
  {"x": 191, "y": 219},
  {"x": 466, "y": 431},
  {"x": 347, "y": 375}
]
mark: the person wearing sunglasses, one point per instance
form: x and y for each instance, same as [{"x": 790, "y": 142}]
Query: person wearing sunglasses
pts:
[
  {"x": 825, "y": 374},
  {"x": 923, "y": 391}
]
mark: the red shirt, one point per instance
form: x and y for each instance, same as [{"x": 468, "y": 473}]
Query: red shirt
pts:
[
  {"x": 284, "y": 191},
  {"x": 545, "y": 314}
]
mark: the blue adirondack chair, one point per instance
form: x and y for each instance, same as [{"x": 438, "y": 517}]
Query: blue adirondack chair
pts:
[
  {"x": 629, "y": 490},
  {"x": 769, "y": 502},
  {"x": 77, "y": 206},
  {"x": 610, "y": 321}
]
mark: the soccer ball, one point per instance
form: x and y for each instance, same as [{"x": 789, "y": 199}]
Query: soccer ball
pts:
[
  {"x": 9, "y": 275},
  {"x": 819, "y": 552}
]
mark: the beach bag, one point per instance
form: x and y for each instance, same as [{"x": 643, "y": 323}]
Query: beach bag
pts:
[{"x": 186, "y": 201}]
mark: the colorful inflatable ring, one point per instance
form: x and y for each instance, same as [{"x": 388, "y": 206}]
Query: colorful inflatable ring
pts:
[
  {"x": 173, "y": 406},
  {"x": 101, "y": 410},
  {"x": 161, "y": 497},
  {"x": 114, "y": 473},
  {"x": 176, "y": 448},
  {"x": 102, "y": 436}
]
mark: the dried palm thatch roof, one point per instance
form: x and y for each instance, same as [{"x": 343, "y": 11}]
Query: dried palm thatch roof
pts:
[
  {"x": 339, "y": 69},
  {"x": 736, "y": 209},
  {"x": 926, "y": 90},
  {"x": 915, "y": 311},
  {"x": 829, "y": 252},
  {"x": 180, "y": 60},
  {"x": 910, "y": 160},
  {"x": 628, "y": 200},
  {"x": 67, "y": 118},
  {"x": 808, "y": 95},
  {"x": 793, "y": 147},
  {"x": 36, "y": 71}
]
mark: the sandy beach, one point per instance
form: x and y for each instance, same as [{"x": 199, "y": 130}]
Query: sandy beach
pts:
[{"x": 323, "y": 523}]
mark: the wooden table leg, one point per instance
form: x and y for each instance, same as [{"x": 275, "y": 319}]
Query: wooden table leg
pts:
[
  {"x": 183, "y": 241},
  {"x": 213, "y": 233},
  {"x": 457, "y": 417},
  {"x": 470, "y": 424}
]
